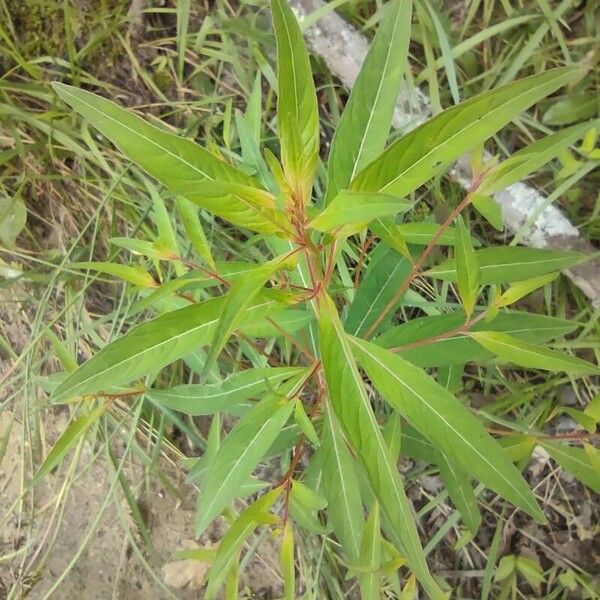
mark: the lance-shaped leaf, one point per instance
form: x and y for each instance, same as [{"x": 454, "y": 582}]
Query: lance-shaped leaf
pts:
[
  {"x": 286, "y": 561},
  {"x": 370, "y": 557},
  {"x": 241, "y": 451},
  {"x": 575, "y": 461},
  {"x": 190, "y": 220},
  {"x": 364, "y": 126},
  {"x": 155, "y": 344},
  {"x": 430, "y": 148},
  {"x": 513, "y": 350},
  {"x": 340, "y": 487},
  {"x": 428, "y": 341},
  {"x": 383, "y": 276},
  {"x": 350, "y": 212},
  {"x": 297, "y": 113},
  {"x": 352, "y": 407},
  {"x": 69, "y": 437},
  {"x": 467, "y": 267},
  {"x": 451, "y": 427},
  {"x": 135, "y": 275},
  {"x": 512, "y": 263},
  {"x": 530, "y": 158},
  {"x": 232, "y": 542},
  {"x": 238, "y": 299},
  {"x": 207, "y": 399},
  {"x": 178, "y": 163}
]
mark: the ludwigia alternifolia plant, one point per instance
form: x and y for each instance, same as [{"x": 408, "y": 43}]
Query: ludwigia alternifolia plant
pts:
[{"x": 352, "y": 376}]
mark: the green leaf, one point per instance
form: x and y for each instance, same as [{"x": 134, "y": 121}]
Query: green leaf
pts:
[
  {"x": 241, "y": 452},
  {"x": 307, "y": 497},
  {"x": 286, "y": 561},
  {"x": 67, "y": 439},
  {"x": 529, "y": 159},
  {"x": 458, "y": 485},
  {"x": 350, "y": 212},
  {"x": 421, "y": 234},
  {"x": 340, "y": 487},
  {"x": 364, "y": 126},
  {"x": 489, "y": 209},
  {"x": 370, "y": 557},
  {"x": 506, "y": 264},
  {"x": 574, "y": 461},
  {"x": 155, "y": 344},
  {"x": 572, "y": 109},
  {"x": 240, "y": 296},
  {"x": 207, "y": 399},
  {"x": 429, "y": 149},
  {"x": 521, "y": 288},
  {"x": 135, "y": 275},
  {"x": 178, "y": 163},
  {"x": 351, "y": 405},
  {"x": 511, "y": 349},
  {"x": 190, "y": 220},
  {"x": 305, "y": 424},
  {"x": 386, "y": 271},
  {"x": 385, "y": 229},
  {"x": 451, "y": 427},
  {"x": 297, "y": 112},
  {"x": 231, "y": 544},
  {"x": 467, "y": 267},
  {"x": 409, "y": 339},
  {"x": 13, "y": 217}
]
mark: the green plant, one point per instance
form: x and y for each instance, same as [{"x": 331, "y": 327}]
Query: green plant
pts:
[{"x": 337, "y": 450}]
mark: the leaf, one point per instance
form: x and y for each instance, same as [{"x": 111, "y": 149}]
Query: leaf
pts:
[
  {"x": 178, "y": 163},
  {"x": 450, "y": 426},
  {"x": 241, "y": 452},
  {"x": 430, "y": 148},
  {"x": 350, "y": 212},
  {"x": 190, "y": 220},
  {"x": 66, "y": 441},
  {"x": 511, "y": 349},
  {"x": 574, "y": 461},
  {"x": 467, "y": 267},
  {"x": 489, "y": 209},
  {"x": 240, "y": 296},
  {"x": 305, "y": 424},
  {"x": 572, "y": 109},
  {"x": 421, "y": 234},
  {"x": 530, "y": 159},
  {"x": 231, "y": 544},
  {"x": 207, "y": 399},
  {"x": 370, "y": 557},
  {"x": 385, "y": 229},
  {"x": 155, "y": 344},
  {"x": 506, "y": 264},
  {"x": 386, "y": 271},
  {"x": 135, "y": 275},
  {"x": 351, "y": 405},
  {"x": 364, "y": 126},
  {"x": 13, "y": 217},
  {"x": 409, "y": 339},
  {"x": 340, "y": 487},
  {"x": 286, "y": 561},
  {"x": 459, "y": 488},
  {"x": 297, "y": 113},
  {"x": 522, "y": 288}
]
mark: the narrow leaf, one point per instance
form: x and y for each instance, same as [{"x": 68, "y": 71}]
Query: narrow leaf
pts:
[
  {"x": 155, "y": 344},
  {"x": 430, "y": 148},
  {"x": 241, "y": 452},
  {"x": 350, "y": 212},
  {"x": 363, "y": 129},
  {"x": 451, "y": 427},
  {"x": 135, "y": 275},
  {"x": 370, "y": 557},
  {"x": 286, "y": 561},
  {"x": 513, "y": 350},
  {"x": 297, "y": 113},
  {"x": 575, "y": 461},
  {"x": 513, "y": 263},
  {"x": 467, "y": 267},
  {"x": 352, "y": 407}
]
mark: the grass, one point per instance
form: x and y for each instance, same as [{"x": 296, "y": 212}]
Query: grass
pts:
[{"x": 193, "y": 67}]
